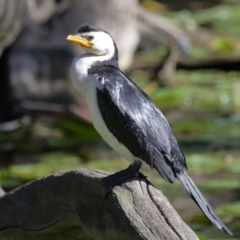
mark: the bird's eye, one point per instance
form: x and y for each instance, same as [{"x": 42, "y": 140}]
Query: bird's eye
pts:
[{"x": 89, "y": 38}]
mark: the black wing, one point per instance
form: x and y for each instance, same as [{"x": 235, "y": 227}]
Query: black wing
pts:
[{"x": 135, "y": 121}]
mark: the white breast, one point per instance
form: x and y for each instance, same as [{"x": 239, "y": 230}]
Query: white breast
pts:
[{"x": 86, "y": 85}]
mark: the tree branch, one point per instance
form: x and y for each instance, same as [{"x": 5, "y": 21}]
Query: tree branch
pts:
[{"x": 72, "y": 205}]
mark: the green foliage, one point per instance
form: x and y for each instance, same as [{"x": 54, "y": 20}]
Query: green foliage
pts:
[{"x": 232, "y": 209}]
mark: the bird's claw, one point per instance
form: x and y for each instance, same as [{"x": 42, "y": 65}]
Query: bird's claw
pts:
[{"x": 106, "y": 182}]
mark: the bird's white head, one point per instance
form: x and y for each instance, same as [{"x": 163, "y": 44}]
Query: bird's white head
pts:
[
  {"x": 100, "y": 50},
  {"x": 95, "y": 41}
]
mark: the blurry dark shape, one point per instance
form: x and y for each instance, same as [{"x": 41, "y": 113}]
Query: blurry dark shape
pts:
[
  {"x": 44, "y": 107},
  {"x": 13, "y": 15},
  {"x": 164, "y": 69},
  {"x": 6, "y": 100},
  {"x": 224, "y": 63},
  {"x": 192, "y": 5},
  {"x": 12, "y": 18}
]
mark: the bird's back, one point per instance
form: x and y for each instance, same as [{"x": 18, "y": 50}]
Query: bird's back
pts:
[{"x": 136, "y": 122}]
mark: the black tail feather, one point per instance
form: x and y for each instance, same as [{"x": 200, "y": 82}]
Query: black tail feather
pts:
[{"x": 200, "y": 200}]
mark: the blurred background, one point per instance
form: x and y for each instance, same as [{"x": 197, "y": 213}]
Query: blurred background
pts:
[{"x": 185, "y": 54}]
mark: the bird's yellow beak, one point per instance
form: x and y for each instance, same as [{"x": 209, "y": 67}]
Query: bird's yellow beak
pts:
[{"x": 79, "y": 40}]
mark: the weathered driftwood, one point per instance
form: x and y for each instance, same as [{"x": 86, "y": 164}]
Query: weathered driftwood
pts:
[{"x": 72, "y": 205}]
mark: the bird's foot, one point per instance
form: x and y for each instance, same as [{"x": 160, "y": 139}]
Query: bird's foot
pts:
[
  {"x": 117, "y": 179},
  {"x": 122, "y": 176},
  {"x": 141, "y": 175}
]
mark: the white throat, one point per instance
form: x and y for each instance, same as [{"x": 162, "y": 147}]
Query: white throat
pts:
[{"x": 79, "y": 70}]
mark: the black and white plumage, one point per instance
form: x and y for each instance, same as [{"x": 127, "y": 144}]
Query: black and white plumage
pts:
[{"x": 126, "y": 117}]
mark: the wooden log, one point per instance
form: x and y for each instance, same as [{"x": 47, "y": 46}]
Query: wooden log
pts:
[{"x": 73, "y": 205}]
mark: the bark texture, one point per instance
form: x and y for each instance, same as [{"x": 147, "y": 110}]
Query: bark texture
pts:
[{"x": 72, "y": 205}]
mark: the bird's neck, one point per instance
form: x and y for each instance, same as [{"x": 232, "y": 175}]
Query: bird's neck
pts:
[
  {"x": 82, "y": 66},
  {"x": 86, "y": 62}
]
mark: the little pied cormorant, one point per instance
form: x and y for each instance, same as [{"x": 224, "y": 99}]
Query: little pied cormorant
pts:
[{"x": 126, "y": 117}]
